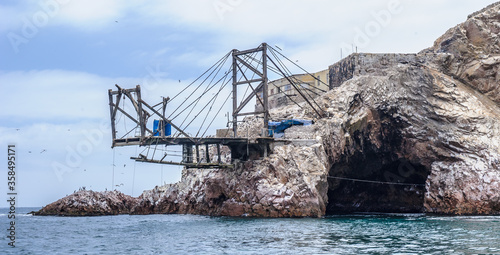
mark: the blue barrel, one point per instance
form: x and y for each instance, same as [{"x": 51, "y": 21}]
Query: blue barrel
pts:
[{"x": 167, "y": 128}]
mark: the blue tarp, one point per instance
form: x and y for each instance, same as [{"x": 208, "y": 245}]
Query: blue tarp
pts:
[
  {"x": 277, "y": 127},
  {"x": 167, "y": 129}
]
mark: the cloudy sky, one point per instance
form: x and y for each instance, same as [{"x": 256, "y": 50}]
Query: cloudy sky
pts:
[{"x": 58, "y": 58}]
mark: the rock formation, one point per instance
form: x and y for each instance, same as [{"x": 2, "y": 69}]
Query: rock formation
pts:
[
  {"x": 403, "y": 133},
  {"x": 90, "y": 203}
]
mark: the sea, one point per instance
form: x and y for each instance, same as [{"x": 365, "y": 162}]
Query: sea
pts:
[{"x": 192, "y": 234}]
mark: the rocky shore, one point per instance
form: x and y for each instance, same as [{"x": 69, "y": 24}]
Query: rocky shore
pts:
[{"x": 402, "y": 133}]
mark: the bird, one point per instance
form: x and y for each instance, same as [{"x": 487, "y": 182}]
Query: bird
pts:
[
  {"x": 179, "y": 81},
  {"x": 43, "y": 151},
  {"x": 116, "y": 21},
  {"x": 124, "y": 165},
  {"x": 29, "y": 151},
  {"x": 17, "y": 129}
]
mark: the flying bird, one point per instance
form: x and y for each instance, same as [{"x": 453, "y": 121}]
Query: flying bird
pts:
[{"x": 43, "y": 151}]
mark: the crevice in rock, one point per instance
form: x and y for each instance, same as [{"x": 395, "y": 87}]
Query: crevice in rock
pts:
[
  {"x": 374, "y": 193},
  {"x": 369, "y": 174}
]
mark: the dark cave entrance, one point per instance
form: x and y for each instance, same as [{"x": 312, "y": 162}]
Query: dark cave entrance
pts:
[{"x": 371, "y": 190}]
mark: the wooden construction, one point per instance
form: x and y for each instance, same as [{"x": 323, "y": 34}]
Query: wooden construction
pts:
[{"x": 247, "y": 69}]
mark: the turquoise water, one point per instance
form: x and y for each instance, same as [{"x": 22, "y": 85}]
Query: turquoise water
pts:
[{"x": 190, "y": 234}]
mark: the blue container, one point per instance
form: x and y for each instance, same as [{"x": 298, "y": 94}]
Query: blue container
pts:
[
  {"x": 279, "y": 127},
  {"x": 167, "y": 129}
]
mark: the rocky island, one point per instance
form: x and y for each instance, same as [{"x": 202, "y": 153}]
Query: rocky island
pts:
[{"x": 402, "y": 133}]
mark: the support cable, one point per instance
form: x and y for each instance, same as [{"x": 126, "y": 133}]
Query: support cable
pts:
[
  {"x": 222, "y": 106},
  {"x": 202, "y": 96},
  {"x": 199, "y": 77},
  {"x": 219, "y": 64},
  {"x": 208, "y": 88},
  {"x": 210, "y": 109},
  {"x": 217, "y": 94},
  {"x": 274, "y": 50},
  {"x": 377, "y": 182},
  {"x": 197, "y": 98},
  {"x": 305, "y": 98},
  {"x": 113, "y": 172}
]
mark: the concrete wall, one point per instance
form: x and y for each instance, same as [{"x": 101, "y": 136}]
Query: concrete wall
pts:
[
  {"x": 366, "y": 63},
  {"x": 281, "y": 92}
]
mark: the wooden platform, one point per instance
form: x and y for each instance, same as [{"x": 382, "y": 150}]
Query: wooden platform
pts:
[
  {"x": 241, "y": 149},
  {"x": 179, "y": 141}
]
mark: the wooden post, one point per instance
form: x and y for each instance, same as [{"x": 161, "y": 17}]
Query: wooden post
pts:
[
  {"x": 235, "y": 96},
  {"x": 187, "y": 153},
  {"x": 142, "y": 121},
  {"x": 265, "y": 88},
  {"x": 112, "y": 113},
  {"x": 207, "y": 154},
  {"x": 218, "y": 153},
  {"x": 197, "y": 153}
]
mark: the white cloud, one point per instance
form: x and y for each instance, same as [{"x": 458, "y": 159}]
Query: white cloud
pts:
[
  {"x": 93, "y": 14},
  {"x": 54, "y": 94}
]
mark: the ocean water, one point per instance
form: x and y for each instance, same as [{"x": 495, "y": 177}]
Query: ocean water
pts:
[{"x": 191, "y": 234}]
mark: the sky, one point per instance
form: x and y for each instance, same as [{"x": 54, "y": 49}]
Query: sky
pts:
[{"x": 58, "y": 58}]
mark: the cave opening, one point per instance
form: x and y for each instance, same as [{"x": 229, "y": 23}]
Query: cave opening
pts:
[{"x": 376, "y": 183}]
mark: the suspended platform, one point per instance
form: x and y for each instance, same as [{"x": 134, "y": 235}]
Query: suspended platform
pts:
[
  {"x": 241, "y": 149},
  {"x": 152, "y": 126}
]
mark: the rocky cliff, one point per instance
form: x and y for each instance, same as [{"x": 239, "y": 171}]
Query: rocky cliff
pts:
[
  {"x": 90, "y": 203},
  {"x": 402, "y": 133}
]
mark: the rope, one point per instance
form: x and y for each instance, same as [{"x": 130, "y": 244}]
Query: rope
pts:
[
  {"x": 226, "y": 56},
  {"x": 222, "y": 106},
  {"x": 218, "y": 64},
  {"x": 274, "y": 50},
  {"x": 212, "y": 99},
  {"x": 208, "y": 88},
  {"x": 289, "y": 74},
  {"x": 377, "y": 182},
  {"x": 113, "y": 177},
  {"x": 210, "y": 109},
  {"x": 224, "y": 77},
  {"x": 133, "y": 177}
]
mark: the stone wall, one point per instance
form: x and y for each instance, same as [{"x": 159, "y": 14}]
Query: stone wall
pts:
[{"x": 370, "y": 63}]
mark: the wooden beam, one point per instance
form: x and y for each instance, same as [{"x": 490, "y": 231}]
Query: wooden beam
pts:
[
  {"x": 300, "y": 92},
  {"x": 207, "y": 154},
  {"x": 218, "y": 154},
  {"x": 246, "y": 80},
  {"x": 249, "y": 98},
  {"x": 244, "y": 52},
  {"x": 168, "y": 121},
  {"x": 249, "y": 66},
  {"x": 254, "y": 92},
  {"x": 111, "y": 111},
  {"x": 249, "y": 113}
]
